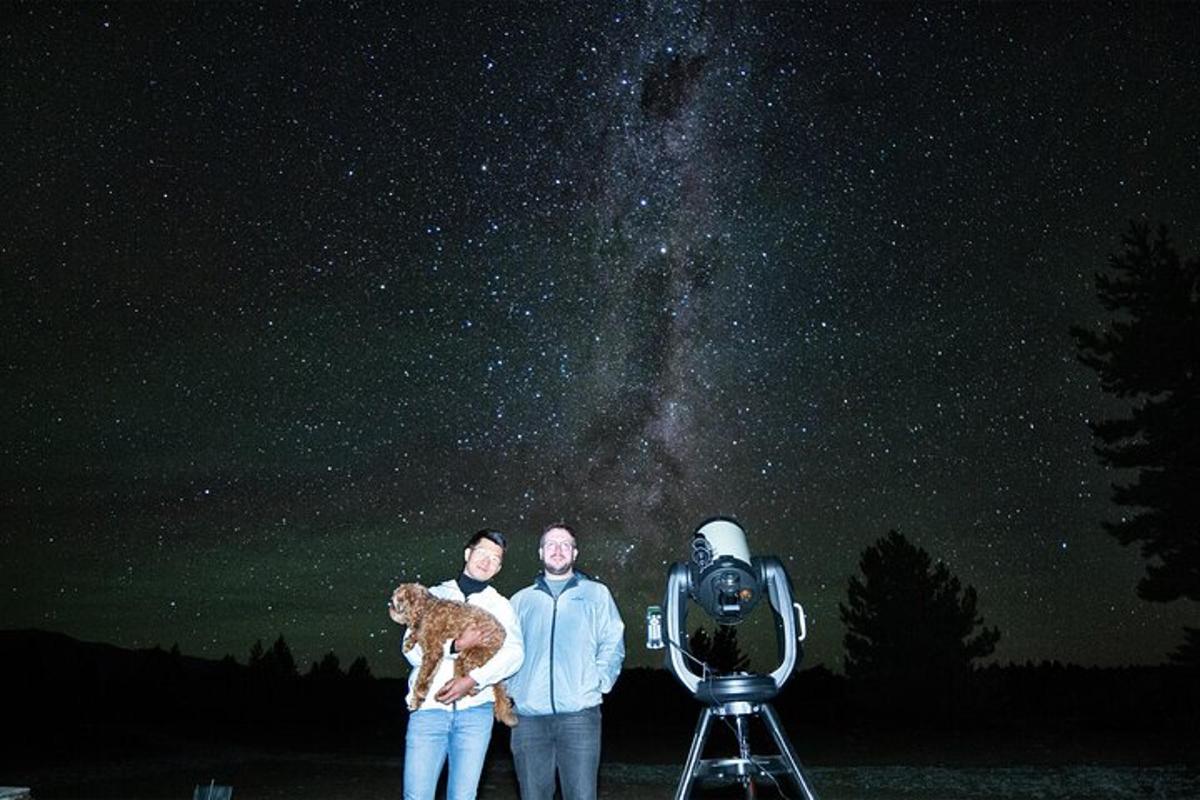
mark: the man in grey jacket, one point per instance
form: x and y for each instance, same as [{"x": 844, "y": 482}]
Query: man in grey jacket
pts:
[{"x": 574, "y": 646}]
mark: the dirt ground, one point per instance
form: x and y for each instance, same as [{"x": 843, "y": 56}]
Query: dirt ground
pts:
[
  {"x": 152, "y": 765},
  {"x": 342, "y": 777},
  {"x": 334, "y": 777}
]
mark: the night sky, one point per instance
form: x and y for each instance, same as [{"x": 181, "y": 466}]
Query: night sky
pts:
[{"x": 296, "y": 297}]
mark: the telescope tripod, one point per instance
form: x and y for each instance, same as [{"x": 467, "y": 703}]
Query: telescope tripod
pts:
[{"x": 745, "y": 767}]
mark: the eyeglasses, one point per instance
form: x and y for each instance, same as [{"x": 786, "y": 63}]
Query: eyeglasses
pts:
[
  {"x": 565, "y": 546},
  {"x": 483, "y": 555}
]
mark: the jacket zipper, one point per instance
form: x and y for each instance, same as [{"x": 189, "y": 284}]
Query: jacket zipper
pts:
[{"x": 553, "y": 625}]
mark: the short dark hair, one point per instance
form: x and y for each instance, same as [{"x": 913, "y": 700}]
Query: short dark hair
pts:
[
  {"x": 562, "y": 526},
  {"x": 495, "y": 537}
]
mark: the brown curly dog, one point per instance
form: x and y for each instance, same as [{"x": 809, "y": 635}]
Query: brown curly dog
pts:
[{"x": 431, "y": 622}]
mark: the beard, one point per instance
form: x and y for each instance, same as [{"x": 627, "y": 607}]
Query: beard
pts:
[{"x": 563, "y": 570}]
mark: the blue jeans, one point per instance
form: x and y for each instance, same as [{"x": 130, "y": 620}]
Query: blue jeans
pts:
[
  {"x": 568, "y": 743},
  {"x": 433, "y": 735}
]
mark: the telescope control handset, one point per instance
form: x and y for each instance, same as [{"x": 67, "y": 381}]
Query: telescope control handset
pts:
[{"x": 654, "y": 628}]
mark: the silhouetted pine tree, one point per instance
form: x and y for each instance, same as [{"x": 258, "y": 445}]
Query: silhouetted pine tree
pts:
[
  {"x": 700, "y": 644},
  {"x": 727, "y": 655},
  {"x": 721, "y": 651},
  {"x": 1149, "y": 354},
  {"x": 359, "y": 670},
  {"x": 274, "y": 664},
  {"x": 255, "y": 659},
  {"x": 1188, "y": 653},
  {"x": 280, "y": 662},
  {"x": 911, "y": 638},
  {"x": 329, "y": 668}
]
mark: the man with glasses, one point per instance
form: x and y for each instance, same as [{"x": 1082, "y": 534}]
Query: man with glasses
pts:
[
  {"x": 455, "y": 722},
  {"x": 574, "y": 646}
]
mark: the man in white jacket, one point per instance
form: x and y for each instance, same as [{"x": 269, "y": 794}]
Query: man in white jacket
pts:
[{"x": 455, "y": 721}]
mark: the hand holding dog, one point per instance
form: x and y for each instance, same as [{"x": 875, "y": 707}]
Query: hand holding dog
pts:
[
  {"x": 471, "y": 637},
  {"x": 434, "y": 623},
  {"x": 455, "y": 689}
]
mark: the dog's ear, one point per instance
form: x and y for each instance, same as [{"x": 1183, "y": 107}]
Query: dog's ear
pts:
[
  {"x": 421, "y": 598},
  {"x": 415, "y": 597}
]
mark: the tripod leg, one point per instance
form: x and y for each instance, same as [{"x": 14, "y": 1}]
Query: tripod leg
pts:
[
  {"x": 683, "y": 791},
  {"x": 743, "y": 740},
  {"x": 785, "y": 750}
]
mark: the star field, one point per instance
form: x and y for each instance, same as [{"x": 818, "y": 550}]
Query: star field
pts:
[{"x": 295, "y": 298}]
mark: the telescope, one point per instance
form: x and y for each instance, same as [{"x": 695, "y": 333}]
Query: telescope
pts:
[{"x": 728, "y": 583}]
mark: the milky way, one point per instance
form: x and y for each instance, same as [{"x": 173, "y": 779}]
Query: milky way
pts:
[
  {"x": 668, "y": 279},
  {"x": 296, "y": 298}
]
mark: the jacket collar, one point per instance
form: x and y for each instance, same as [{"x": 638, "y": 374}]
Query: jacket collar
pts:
[
  {"x": 456, "y": 590},
  {"x": 540, "y": 581},
  {"x": 468, "y": 585}
]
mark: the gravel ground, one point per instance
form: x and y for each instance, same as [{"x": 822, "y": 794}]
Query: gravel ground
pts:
[{"x": 341, "y": 777}]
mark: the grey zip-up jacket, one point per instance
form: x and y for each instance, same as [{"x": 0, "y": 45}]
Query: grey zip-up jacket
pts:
[{"x": 574, "y": 646}]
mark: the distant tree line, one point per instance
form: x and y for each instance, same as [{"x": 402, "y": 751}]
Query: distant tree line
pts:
[
  {"x": 279, "y": 664},
  {"x": 54, "y": 682}
]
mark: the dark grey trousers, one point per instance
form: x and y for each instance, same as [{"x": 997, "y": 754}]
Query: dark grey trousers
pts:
[{"x": 566, "y": 743}]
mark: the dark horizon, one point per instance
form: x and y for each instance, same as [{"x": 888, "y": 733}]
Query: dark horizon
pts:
[
  {"x": 304, "y": 666},
  {"x": 295, "y": 300}
]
